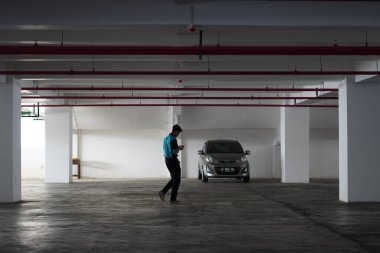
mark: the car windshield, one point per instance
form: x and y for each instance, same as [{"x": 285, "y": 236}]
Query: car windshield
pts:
[{"x": 224, "y": 147}]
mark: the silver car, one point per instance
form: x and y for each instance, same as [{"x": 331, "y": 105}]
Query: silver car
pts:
[{"x": 223, "y": 159}]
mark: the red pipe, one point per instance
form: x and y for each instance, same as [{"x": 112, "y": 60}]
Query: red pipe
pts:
[
  {"x": 177, "y": 97},
  {"x": 187, "y": 50},
  {"x": 177, "y": 89},
  {"x": 190, "y": 73},
  {"x": 185, "y": 105}
]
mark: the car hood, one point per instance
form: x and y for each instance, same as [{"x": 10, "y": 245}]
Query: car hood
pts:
[{"x": 226, "y": 156}]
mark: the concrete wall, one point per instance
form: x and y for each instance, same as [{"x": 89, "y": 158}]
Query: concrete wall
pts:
[
  {"x": 229, "y": 118},
  {"x": 324, "y": 143},
  {"x": 122, "y": 154},
  {"x": 120, "y": 118},
  {"x": 324, "y": 118},
  {"x": 324, "y": 153},
  {"x": 32, "y": 148}
]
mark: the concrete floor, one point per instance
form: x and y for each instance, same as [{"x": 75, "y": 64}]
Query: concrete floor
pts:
[{"x": 220, "y": 216}]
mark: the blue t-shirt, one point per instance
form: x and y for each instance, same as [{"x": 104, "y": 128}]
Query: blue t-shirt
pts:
[{"x": 170, "y": 147}]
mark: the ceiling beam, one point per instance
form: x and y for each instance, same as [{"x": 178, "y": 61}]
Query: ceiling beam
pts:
[
  {"x": 190, "y": 50},
  {"x": 188, "y": 73},
  {"x": 178, "y": 105},
  {"x": 267, "y": 89},
  {"x": 179, "y": 97}
]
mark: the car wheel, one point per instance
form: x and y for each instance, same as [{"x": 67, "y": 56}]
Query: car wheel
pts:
[
  {"x": 199, "y": 175},
  {"x": 204, "y": 178},
  {"x": 246, "y": 179}
]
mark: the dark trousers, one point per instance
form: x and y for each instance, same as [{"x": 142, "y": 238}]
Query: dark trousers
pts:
[{"x": 175, "y": 174}]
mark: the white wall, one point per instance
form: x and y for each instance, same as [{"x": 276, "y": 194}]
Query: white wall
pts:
[
  {"x": 32, "y": 148},
  {"x": 122, "y": 154},
  {"x": 324, "y": 143},
  {"x": 121, "y": 142},
  {"x": 324, "y": 153},
  {"x": 324, "y": 118},
  {"x": 120, "y": 117},
  {"x": 229, "y": 118}
]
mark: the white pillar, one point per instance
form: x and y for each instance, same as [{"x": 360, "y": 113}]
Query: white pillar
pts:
[
  {"x": 10, "y": 140},
  {"x": 295, "y": 145},
  {"x": 58, "y": 137},
  {"x": 177, "y": 120},
  {"x": 359, "y": 142}
]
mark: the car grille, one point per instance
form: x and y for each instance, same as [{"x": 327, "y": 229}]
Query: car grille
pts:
[
  {"x": 227, "y": 161},
  {"x": 227, "y": 171}
]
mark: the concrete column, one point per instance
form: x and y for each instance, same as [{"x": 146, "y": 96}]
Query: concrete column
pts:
[
  {"x": 177, "y": 111},
  {"x": 359, "y": 142},
  {"x": 58, "y": 137},
  {"x": 10, "y": 140},
  {"x": 169, "y": 119},
  {"x": 295, "y": 145}
]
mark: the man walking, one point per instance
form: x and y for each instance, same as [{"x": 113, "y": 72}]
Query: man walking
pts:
[{"x": 171, "y": 150}]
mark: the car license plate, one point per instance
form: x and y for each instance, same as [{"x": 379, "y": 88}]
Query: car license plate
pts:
[{"x": 228, "y": 169}]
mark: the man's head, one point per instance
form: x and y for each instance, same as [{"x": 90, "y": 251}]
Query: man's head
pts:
[{"x": 176, "y": 130}]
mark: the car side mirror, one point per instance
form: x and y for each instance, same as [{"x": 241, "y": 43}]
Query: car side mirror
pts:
[
  {"x": 247, "y": 152},
  {"x": 200, "y": 152}
]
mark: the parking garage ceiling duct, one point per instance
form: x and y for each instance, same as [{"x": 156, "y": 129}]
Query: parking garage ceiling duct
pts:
[
  {"x": 183, "y": 105},
  {"x": 188, "y": 73},
  {"x": 189, "y": 50},
  {"x": 181, "y": 97},
  {"x": 266, "y": 89}
]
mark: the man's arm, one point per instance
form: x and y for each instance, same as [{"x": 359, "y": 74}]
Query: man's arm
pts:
[{"x": 175, "y": 148}]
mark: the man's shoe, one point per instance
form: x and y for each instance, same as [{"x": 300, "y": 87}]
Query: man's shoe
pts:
[
  {"x": 175, "y": 202},
  {"x": 162, "y": 195}
]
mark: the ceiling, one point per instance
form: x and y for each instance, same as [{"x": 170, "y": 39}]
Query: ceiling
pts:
[{"x": 164, "y": 34}]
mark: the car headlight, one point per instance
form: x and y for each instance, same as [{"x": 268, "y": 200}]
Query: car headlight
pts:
[
  {"x": 244, "y": 159},
  {"x": 209, "y": 159},
  {"x": 245, "y": 170}
]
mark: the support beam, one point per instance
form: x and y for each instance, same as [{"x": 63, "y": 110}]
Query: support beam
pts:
[
  {"x": 186, "y": 73},
  {"x": 10, "y": 140},
  {"x": 295, "y": 145},
  {"x": 209, "y": 89},
  {"x": 59, "y": 134},
  {"x": 187, "y": 50},
  {"x": 359, "y": 147},
  {"x": 182, "y": 105},
  {"x": 180, "y": 97}
]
